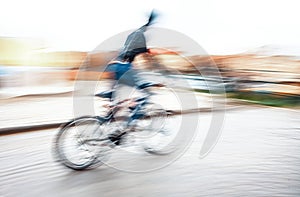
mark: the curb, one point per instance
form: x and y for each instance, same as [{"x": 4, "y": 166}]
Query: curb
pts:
[
  {"x": 29, "y": 128},
  {"x": 8, "y": 97}
]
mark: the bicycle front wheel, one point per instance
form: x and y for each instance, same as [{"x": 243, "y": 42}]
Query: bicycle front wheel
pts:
[{"x": 78, "y": 144}]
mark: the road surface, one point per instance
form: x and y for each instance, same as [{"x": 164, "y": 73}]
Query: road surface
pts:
[{"x": 257, "y": 155}]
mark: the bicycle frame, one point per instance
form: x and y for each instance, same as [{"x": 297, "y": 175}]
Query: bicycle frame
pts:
[{"x": 135, "y": 113}]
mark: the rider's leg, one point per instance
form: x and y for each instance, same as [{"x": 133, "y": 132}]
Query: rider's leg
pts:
[{"x": 118, "y": 75}]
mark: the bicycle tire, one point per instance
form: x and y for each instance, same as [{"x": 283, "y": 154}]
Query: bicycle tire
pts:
[
  {"x": 73, "y": 128},
  {"x": 157, "y": 133}
]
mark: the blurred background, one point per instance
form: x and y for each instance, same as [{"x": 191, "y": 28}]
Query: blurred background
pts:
[
  {"x": 256, "y": 53},
  {"x": 255, "y": 45},
  {"x": 264, "y": 75}
]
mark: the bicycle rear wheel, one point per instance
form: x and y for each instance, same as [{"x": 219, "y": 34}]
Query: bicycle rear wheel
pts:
[
  {"x": 157, "y": 134},
  {"x": 78, "y": 144}
]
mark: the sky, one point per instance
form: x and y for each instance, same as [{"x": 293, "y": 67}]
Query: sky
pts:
[{"x": 219, "y": 26}]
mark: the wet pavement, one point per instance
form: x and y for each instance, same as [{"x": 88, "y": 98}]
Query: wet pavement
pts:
[{"x": 257, "y": 155}]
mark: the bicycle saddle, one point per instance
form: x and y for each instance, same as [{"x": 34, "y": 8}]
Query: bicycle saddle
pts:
[{"x": 105, "y": 94}]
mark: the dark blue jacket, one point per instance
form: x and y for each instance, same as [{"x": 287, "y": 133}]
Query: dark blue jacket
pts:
[{"x": 136, "y": 42}]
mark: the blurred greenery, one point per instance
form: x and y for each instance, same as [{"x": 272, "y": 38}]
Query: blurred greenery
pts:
[{"x": 263, "y": 98}]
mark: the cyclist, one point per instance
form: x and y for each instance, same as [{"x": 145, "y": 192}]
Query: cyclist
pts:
[{"x": 121, "y": 67}]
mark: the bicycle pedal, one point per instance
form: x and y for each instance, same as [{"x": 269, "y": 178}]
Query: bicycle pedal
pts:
[{"x": 116, "y": 138}]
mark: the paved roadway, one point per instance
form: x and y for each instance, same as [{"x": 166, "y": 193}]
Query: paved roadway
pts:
[{"x": 257, "y": 155}]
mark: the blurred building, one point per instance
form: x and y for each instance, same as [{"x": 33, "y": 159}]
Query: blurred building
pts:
[
  {"x": 26, "y": 62},
  {"x": 279, "y": 74}
]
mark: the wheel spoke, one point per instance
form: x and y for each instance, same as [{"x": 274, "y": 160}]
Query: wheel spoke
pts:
[{"x": 77, "y": 143}]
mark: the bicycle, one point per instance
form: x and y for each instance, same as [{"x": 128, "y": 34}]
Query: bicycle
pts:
[{"x": 93, "y": 137}]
